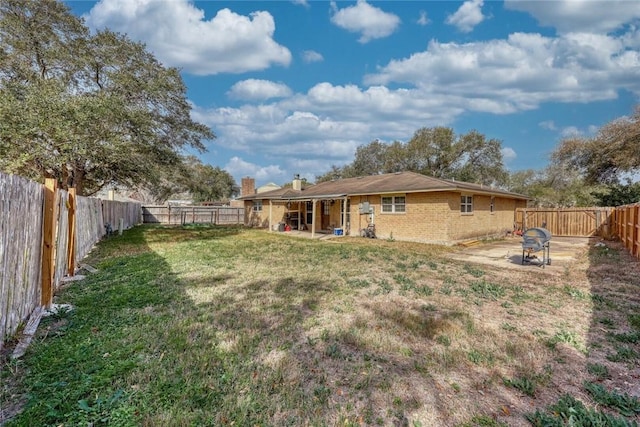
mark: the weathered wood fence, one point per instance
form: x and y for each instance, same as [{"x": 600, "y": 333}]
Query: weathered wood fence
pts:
[
  {"x": 44, "y": 233},
  {"x": 221, "y": 215},
  {"x": 627, "y": 226},
  {"x": 578, "y": 222}
]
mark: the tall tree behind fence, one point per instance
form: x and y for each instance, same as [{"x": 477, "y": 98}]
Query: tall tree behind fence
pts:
[
  {"x": 40, "y": 243},
  {"x": 21, "y": 217}
]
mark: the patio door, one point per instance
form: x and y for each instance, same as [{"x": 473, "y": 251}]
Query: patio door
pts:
[{"x": 326, "y": 214}]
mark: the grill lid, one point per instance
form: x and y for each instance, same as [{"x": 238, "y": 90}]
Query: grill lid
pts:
[{"x": 537, "y": 233}]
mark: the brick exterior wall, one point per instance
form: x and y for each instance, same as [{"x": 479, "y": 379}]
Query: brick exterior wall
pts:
[
  {"x": 260, "y": 219},
  {"x": 428, "y": 217},
  {"x": 436, "y": 217}
]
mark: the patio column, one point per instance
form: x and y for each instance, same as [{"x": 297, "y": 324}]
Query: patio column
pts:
[
  {"x": 270, "y": 214},
  {"x": 344, "y": 216},
  {"x": 313, "y": 218}
]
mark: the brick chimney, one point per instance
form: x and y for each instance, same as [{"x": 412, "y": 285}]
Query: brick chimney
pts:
[
  {"x": 297, "y": 183},
  {"x": 248, "y": 187}
]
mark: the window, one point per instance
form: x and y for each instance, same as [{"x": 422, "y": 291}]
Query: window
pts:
[
  {"x": 393, "y": 204},
  {"x": 348, "y": 211},
  {"x": 257, "y": 205},
  {"x": 309, "y": 210},
  {"x": 492, "y": 206},
  {"x": 326, "y": 208},
  {"x": 466, "y": 204}
]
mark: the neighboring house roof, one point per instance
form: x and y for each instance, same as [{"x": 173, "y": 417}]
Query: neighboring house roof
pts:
[
  {"x": 399, "y": 182},
  {"x": 267, "y": 187}
]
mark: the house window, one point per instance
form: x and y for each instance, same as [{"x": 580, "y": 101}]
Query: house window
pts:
[
  {"x": 326, "y": 207},
  {"x": 257, "y": 205},
  {"x": 309, "y": 210},
  {"x": 348, "y": 211},
  {"x": 492, "y": 206},
  {"x": 393, "y": 204},
  {"x": 466, "y": 204}
]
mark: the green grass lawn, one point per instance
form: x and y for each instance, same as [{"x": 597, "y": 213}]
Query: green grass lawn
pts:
[{"x": 231, "y": 326}]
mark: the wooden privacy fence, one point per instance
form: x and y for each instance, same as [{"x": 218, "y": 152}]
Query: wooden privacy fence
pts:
[
  {"x": 44, "y": 233},
  {"x": 578, "y": 222},
  {"x": 626, "y": 224},
  {"x": 21, "y": 219},
  {"x": 222, "y": 215}
]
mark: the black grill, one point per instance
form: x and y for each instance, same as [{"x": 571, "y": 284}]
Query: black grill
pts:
[{"x": 536, "y": 240}]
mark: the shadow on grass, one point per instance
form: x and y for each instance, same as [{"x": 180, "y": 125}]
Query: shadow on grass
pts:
[{"x": 601, "y": 386}]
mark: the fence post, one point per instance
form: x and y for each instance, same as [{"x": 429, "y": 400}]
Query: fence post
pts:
[
  {"x": 47, "y": 244},
  {"x": 71, "y": 242}
]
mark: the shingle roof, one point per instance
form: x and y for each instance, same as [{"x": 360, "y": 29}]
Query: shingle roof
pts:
[{"x": 399, "y": 182}]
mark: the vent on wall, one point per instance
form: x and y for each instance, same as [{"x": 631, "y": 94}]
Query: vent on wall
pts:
[{"x": 364, "y": 208}]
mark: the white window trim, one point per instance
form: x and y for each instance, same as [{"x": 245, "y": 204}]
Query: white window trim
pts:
[
  {"x": 466, "y": 203},
  {"x": 393, "y": 204},
  {"x": 257, "y": 206}
]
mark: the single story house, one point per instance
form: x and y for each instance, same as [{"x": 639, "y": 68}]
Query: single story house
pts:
[{"x": 403, "y": 206}]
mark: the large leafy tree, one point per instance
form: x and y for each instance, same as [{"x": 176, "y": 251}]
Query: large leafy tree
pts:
[
  {"x": 431, "y": 151},
  {"x": 88, "y": 110},
  {"x": 606, "y": 157}
]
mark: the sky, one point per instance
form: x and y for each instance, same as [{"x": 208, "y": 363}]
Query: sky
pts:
[{"x": 294, "y": 87}]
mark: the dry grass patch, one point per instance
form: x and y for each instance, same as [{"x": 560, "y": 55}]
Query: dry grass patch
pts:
[{"x": 222, "y": 326}]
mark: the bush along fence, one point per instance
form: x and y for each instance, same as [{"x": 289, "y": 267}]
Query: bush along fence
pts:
[
  {"x": 627, "y": 224},
  {"x": 44, "y": 233},
  {"x": 219, "y": 215}
]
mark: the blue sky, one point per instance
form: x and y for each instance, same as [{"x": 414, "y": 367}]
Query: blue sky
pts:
[{"x": 293, "y": 87}]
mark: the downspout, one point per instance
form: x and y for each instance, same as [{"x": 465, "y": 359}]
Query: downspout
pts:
[{"x": 270, "y": 214}]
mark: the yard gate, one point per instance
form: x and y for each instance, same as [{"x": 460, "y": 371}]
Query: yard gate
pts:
[{"x": 573, "y": 222}]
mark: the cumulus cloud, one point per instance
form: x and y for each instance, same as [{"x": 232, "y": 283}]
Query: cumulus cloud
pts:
[
  {"x": 423, "y": 19},
  {"x": 521, "y": 72},
  {"x": 548, "y": 125},
  {"x": 467, "y": 16},
  {"x": 579, "y": 15},
  {"x": 570, "y": 131},
  {"x": 309, "y": 56},
  {"x": 508, "y": 154},
  {"x": 179, "y": 35},
  {"x": 238, "y": 168},
  {"x": 258, "y": 90},
  {"x": 371, "y": 22}
]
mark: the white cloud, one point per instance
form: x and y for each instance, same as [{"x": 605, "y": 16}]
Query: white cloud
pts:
[
  {"x": 304, "y": 3},
  {"x": 508, "y": 154},
  {"x": 521, "y": 72},
  {"x": 548, "y": 125},
  {"x": 570, "y": 131},
  {"x": 423, "y": 19},
  {"x": 309, "y": 56},
  {"x": 371, "y": 22},
  {"x": 238, "y": 168},
  {"x": 579, "y": 15},
  {"x": 179, "y": 35},
  {"x": 253, "y": 89},
  {"x": 467, "y": 16}
]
